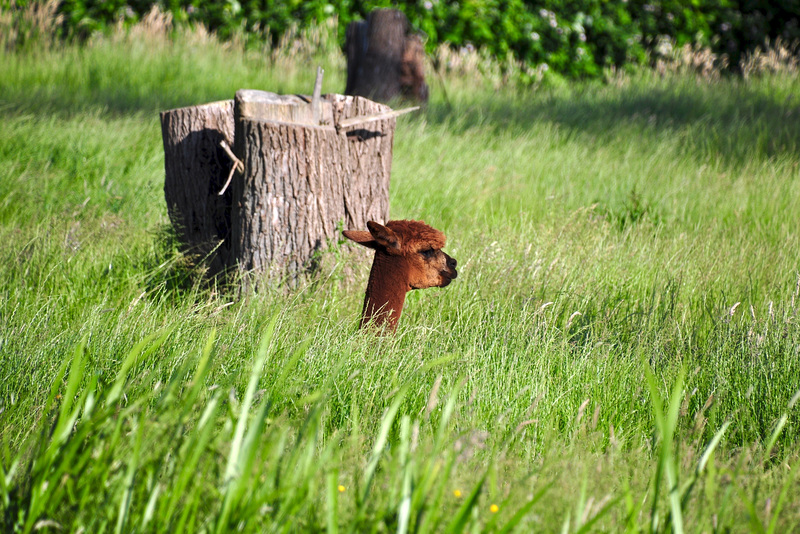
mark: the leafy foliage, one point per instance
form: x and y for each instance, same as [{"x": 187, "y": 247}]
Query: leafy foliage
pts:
[{"x": 572, "y": 38}]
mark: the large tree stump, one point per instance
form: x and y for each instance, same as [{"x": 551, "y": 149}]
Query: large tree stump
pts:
[
  {"x": 384, "y": 60},
  {"x": 304, "y": 177},
  {"x": 196, "y": 168},
  {"x": 300, "y": 170}
]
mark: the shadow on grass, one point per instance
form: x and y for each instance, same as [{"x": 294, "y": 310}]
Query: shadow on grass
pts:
[
  {"x": 112, "y": 102},
  {"x": 730, "y": 120},
  {"x": 168, "y": 271}
]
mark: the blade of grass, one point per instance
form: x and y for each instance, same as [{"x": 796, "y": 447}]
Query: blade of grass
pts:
[
  {"x": 752, "y": 514},
  {"x": 197, "y": 382},
  {"x": 233, "y": 467},
  {"x": 658, "y": 414},
  {"x": 668, "y": 448},
  {"x": 127, "y": 493},
  {"x": 790, "y": 481},
  {"x": 587, "y": 527},
  {"x": 773, "y": 436},
  {"x": 524, "y": 510},
  {"x": 380, "y": 441},
  {"x": 142, "y": 349},
  {"x": 405, "y": 467},
  {"x": 667, "y": 463},
  {"x": 64, "y": 421},
  {"x": 462, "y": 516},
  {"x": 332, "y": 516},
  {"x": 432, "y": 515},
  {"x": 701, "y": 465},
  {"x": 188, "y": 470}
]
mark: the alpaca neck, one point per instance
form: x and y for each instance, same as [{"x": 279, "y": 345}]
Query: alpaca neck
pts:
[{"x": 386, "y": 291}]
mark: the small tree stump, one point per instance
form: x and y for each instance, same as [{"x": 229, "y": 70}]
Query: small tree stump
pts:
[
  {"x": 196, "y": 168},
  {"x": 302, "y": 181},
  {"x": 384, "y": 60}
]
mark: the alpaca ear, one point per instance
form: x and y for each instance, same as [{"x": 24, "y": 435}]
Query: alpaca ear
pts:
[
  {"x": 362, "y": 238},
  {"x": 384, "y": 236}
]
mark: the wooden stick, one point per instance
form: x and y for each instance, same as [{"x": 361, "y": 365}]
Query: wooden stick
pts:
[
  {"x": 316, "y": 106},
  {"x": 362, "y": 119},
  {"x": 237, "y": 164},
  {"x": 227, "y": 149},
  {"x": 227, "y": 182}
]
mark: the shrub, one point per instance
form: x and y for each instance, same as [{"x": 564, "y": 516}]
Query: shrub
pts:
[{"x": 576, "y": 38}]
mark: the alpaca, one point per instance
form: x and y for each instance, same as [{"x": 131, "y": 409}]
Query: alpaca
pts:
[
  {"x": 408, "y": 255},
  {"x": 412, "y": 70}
]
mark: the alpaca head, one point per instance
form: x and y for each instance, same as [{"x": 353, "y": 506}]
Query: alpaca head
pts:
[{"x": 408, "y": 255}]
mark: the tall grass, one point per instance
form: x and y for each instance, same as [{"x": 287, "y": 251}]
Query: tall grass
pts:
[{"x": 620, "y": 351}]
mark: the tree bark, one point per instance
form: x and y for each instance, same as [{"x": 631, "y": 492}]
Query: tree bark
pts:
[
  {"x": 303, "y": 181},
  {"x": 196, "y": 168},
  {"x": 384, "y": 61}
]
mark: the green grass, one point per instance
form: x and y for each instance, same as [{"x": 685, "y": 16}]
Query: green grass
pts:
[{"x": 620, "y": 351}]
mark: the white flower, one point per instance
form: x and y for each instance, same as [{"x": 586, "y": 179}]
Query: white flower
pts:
[
  {"x": 428, "y": 5},
  {"x": 582, "y": 37},
  {"x": 535, "y": 36}
]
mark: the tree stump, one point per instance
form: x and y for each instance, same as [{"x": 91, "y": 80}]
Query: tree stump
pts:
[
  {"x": 384, "y": 60},
  {"x": 196, "y": 167},
  {"x": 303, "y": 181},
  {"x": 300, "y": 170}
]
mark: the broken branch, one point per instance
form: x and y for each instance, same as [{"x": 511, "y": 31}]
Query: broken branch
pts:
[
  {"x": 363, "y": 119},
  {"x": 237, "y": 164}
]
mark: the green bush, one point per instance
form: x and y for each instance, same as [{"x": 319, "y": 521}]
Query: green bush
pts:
[{"x": 575, "y": 38}]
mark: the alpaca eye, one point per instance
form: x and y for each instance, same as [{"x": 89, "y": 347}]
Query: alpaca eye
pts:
[{"x": 427, "y": 253}]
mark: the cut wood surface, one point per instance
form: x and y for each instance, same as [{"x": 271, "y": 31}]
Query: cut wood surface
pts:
[{"x": 294, "y": 109}]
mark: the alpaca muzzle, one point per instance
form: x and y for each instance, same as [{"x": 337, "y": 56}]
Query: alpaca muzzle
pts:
[{"x": 450, "y": 273}]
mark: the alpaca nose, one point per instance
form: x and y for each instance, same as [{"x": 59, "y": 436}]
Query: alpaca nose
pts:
[{"x": 451, "y": 262}]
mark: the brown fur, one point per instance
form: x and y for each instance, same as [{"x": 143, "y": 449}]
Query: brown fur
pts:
[
  {"x": 385, "y": 60},
  {"x": 408, "y": 255},
  {"x": 412, "y": 70}
]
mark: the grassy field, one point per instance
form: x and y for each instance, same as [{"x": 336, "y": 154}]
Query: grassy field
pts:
[{"x": 620, "y": 352}]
